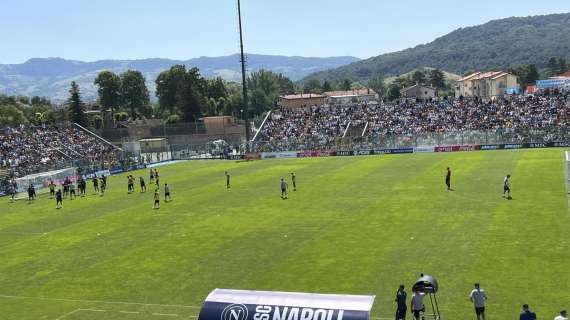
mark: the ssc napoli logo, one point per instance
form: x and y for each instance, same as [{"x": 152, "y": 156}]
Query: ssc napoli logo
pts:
[{"x": 234, "y": 312}]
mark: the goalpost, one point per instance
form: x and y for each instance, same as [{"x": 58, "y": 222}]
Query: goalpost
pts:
[{"x": 41, "y": 180}]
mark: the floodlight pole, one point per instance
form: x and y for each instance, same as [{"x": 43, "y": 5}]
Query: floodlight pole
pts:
[{"x": 243, "y": 81}]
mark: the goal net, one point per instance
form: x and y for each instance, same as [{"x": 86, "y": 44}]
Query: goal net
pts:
[{"x": 41, "y": 180}]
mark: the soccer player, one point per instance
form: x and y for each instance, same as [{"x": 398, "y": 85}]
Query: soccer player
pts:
[
  {"x": 563, "y": 315},
  {"x": 283, "y": 189},
  {"x": 58, "y": 199},
  {"x": 143, "y": 185},
  {"x": 401, "y": 297},
  {"x": 96, "y": 184},
  {"x": 156, "y": 199},
  {"x": 82, "y": 187},
  {"x": 167, "y": 196},
  {"x": 227, "y": 180},
  {"x": 448, "y": 179},
  {"x": 103, "y": 185},
  {"x": 526, "y": 314},
  {"x": 51, "y": 186},
  {"x": 66, "y": 187},
  {"x": 418, "y": 303},
  {"x": 294, "y": 181},
  {"x": 71, "y": 191},
  {"x": 479, "y": 297},
  {"x": 13, "y": 190},
  {"x": 151, "y": 176},
  {"x": 130, "y": 184},
  {"x": 31, "y": 192},
  {"x": 507, "y": 187}
]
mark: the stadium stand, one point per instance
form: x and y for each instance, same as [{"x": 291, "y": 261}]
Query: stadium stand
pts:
[
  {"x": 26, "y": 150},
  {"x": 316, "y": 128}
]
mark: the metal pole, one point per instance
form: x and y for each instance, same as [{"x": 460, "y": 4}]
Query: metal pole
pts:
[{"x": 243, "y": 79}]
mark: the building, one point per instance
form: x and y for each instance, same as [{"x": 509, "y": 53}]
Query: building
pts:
[
  {"x": 302, "y": 100},
  {"x": 486, "y": 85},
  {"x": 419, "y": 92},
  {"x": 351, "y": 96}
]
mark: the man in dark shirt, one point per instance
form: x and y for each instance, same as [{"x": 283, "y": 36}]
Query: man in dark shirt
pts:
[
  {"x": 58, "y": 199},
  {"x": 401, "y": 297},
  {"x": 448, "y": 179},
  {"x": 227, "y": 180},
  {"x": 526, "y": 314}
]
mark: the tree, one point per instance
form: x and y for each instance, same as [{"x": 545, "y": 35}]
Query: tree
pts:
[
  {"x": 109, "y": 90},
  {"x": 75, "y": 105},
  {"x": 327, "y": 86},
  {"x": 167, "y": 86},
  {"x": 437, "y": 79},
  {"x": 419, "y": 77},
  {"x": 217, "y": 88},
  {"x": 346, "y": 85},
  {"x": 190, "y": 98},
  {"x": 264, "y": 90},
  {"x": 134, "y": 93},
  {"x": 11, "y": 115},
  {"x": 377, "y": 84},
  {"x": 182, "y": 91},
  {"x": 313, "y": 85},
  {"x": 393, "y": 92}
]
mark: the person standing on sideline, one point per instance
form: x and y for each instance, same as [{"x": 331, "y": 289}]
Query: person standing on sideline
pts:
[
  {"x": 283, "y": 189},
  {"x": 507, "y": 187},
  {"x": 479, "y": 297},
  {"x": 526, "y": 314},
  {"x": 418, "y": 302},
  {"x": 563, "y": 315},
  {"x": 294, "y": 181},
  {"x": 227, "y": 180},
  {"x": 448, "y": 179},
  {"x": 401, "y": 308}
]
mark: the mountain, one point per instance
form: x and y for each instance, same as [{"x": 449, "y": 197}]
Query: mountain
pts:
[
  {"x": 496, "y": 44},
  {"x": 51, "y": 77}
]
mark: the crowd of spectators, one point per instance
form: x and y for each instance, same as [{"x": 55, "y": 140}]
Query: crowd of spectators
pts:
[
  {"x": 26, "y": 150},
  {"x": 321, "y": 127}
]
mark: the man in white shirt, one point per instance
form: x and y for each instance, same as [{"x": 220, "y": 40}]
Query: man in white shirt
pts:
[
  {"x": 418, "y": 302},
  {"x": 563, "y": 315},
  {"x": 507, "y": 187},
  {"x": 478, "y": 297}
]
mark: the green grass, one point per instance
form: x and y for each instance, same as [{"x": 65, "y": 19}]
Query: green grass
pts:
[{"x": 356, "y": 225}]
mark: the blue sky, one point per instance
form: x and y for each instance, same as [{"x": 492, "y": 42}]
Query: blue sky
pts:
[{"x": 182, "y": 29}]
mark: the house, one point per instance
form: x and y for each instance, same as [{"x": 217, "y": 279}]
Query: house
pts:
[
  {"x": 302, "y": 100},
  {"x": 351, "y": 96},
  {"x": 486, "y": 85},
  {"x": 419, "y": 92}
]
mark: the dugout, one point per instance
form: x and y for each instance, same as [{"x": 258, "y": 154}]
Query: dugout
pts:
[
  {"x": 155, "y": 150},
  {"x": 224, "y": 304}
]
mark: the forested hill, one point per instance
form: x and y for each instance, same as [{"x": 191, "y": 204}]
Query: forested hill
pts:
[
  {"x": 497, "y": 44},
  {"x": 51, "y": 77}
]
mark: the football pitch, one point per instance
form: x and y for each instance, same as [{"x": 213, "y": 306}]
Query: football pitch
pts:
[{"x": 356, "y": 225}]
